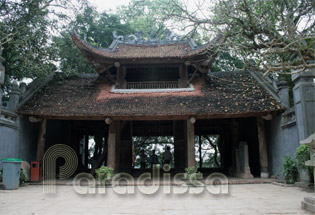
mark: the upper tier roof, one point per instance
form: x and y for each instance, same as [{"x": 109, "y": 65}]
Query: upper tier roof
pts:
[{"x": 139, "y": 51}]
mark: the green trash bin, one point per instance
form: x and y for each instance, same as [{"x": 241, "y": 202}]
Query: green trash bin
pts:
[{"x": 11, "y": 173}]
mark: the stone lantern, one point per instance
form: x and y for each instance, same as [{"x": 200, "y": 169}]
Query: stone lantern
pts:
[{"x": 309, "y": 202}]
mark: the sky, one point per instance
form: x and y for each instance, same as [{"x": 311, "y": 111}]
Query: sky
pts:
[{"x": 102, "y": 5}]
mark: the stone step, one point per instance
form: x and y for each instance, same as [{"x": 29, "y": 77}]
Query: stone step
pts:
[
  {"x": 310, "y": 200},
  {"x": 308, "y": 206}
]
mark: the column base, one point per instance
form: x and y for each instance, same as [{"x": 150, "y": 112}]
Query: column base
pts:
[
  {"x": 264, "y": 175},
  {"x": 244, "y": 175},
  {"x": 309, "y": 203}
]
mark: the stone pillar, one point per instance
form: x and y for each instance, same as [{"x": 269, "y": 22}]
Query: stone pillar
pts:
[
  {"x": 262, "y": 148},
  {"x": 304, "y": 102},
  {"x": 1, "y": 94},
  {"x": 113, "y": 144},
  {"x": 309, "y": 202},
  {"x": 284, "y": 93},
  {"x": 2, "y": 71},
  {"x": 15, "y": 94},
  {"x": 190, "y": 143},
  {"x": 242, "y": 162},
  {"x": 41, "y": 140}
]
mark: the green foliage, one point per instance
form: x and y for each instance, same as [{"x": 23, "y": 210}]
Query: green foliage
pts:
[
  {"x": 289, "y": 169},
  {"x": 227, "y": 62},
  {"x": 158, "y": 143},
  {"x": 96, "y": 28},
  {"x": 268, "y": 34},
  {"x": 25, "y": 34},
  {"x": 271, "y": 35},
  {"x": 22, "y": 177},
  {"x": 302, "y": 154},
  {"x": 193, "y": 175},
  {"x": 146, "y": 16},
  {"x": 104, "y": 174},
  {"x": 210, "y": 151}
]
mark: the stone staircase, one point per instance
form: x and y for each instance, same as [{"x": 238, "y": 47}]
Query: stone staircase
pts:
[{"x": 309, "y": 203}]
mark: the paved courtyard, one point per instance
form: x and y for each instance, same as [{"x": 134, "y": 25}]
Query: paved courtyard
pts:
[{"x": 241, "y": 199}]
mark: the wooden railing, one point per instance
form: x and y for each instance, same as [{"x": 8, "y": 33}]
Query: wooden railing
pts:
[{"x": 152, "y": 85}]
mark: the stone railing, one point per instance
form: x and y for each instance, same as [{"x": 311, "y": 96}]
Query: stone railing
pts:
[
  {"x": 288, "y": 118},
  {"x": 8, "y": 119},
  {"x": 152, "y": 85}
]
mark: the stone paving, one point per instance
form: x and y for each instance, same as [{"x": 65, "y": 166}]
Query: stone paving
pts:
[{"x": 242, "y": 199}]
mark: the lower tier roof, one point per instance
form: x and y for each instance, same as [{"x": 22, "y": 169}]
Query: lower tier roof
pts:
[{"x": 219, "y": 95}]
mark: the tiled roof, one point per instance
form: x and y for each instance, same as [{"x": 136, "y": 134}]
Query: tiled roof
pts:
[
  {"x": 135, "y": 51},
  {"x": 219, "y": 95}
]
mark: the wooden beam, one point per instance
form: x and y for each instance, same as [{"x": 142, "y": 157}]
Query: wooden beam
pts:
[
  {"x": 41, "y": 141},
  {"x": 34, "y": 119},
  {"x": 161, "y": 117}
]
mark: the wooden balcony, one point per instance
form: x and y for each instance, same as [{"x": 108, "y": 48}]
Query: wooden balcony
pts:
[{"x": 152, "y": 85}]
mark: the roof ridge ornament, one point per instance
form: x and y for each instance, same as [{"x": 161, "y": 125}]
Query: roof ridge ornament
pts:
[
  {"x": 137, "y": 38},
  {"x": 118, "y": 37}
]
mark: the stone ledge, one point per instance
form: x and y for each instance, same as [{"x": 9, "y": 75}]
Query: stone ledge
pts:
[
  {"x": 8, "y": 119},
  {"x": 288, "y": 118},
  {"x": 8, "y": 123}
]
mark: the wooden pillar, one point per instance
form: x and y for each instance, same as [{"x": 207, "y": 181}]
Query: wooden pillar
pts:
[
  {"x": 41, "y": 140},
  {"x": 200, "y": 151},
  {"x": 180, "y": 148},
  {"x": 183, "y": 78},
  {"x": 190, "y": 143},
  {"x": 121, "y": 75},
  {"x": 262, "y": 148},
  {"x": 118, "y": 141},
  {"x": 113, "y": 145}
]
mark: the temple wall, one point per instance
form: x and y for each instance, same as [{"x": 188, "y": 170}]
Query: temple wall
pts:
[
  {"x": 286, "y": 130},
  {"x": 9, "y": 144},
  {"x": 18, "y": 138},
  {"x": 28, "y": 134},
  {"x": 282, "y": 140}
]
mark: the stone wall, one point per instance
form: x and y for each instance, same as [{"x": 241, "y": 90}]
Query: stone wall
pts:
[
  {"x": 286, "y": 130},
  {"x": 18, "y": 137},
  {"x": 9, "y": 138},
  {"x": 282, "y": 139}
]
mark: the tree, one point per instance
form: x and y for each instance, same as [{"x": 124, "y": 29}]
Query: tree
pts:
[
  {"x": 270, "y": 35},
  {"x": 25, "y": 35},
  {"x": 158, "y": 143},
  {"x": 148, "y": 17},
  {"x": 96, "y": 28}
]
